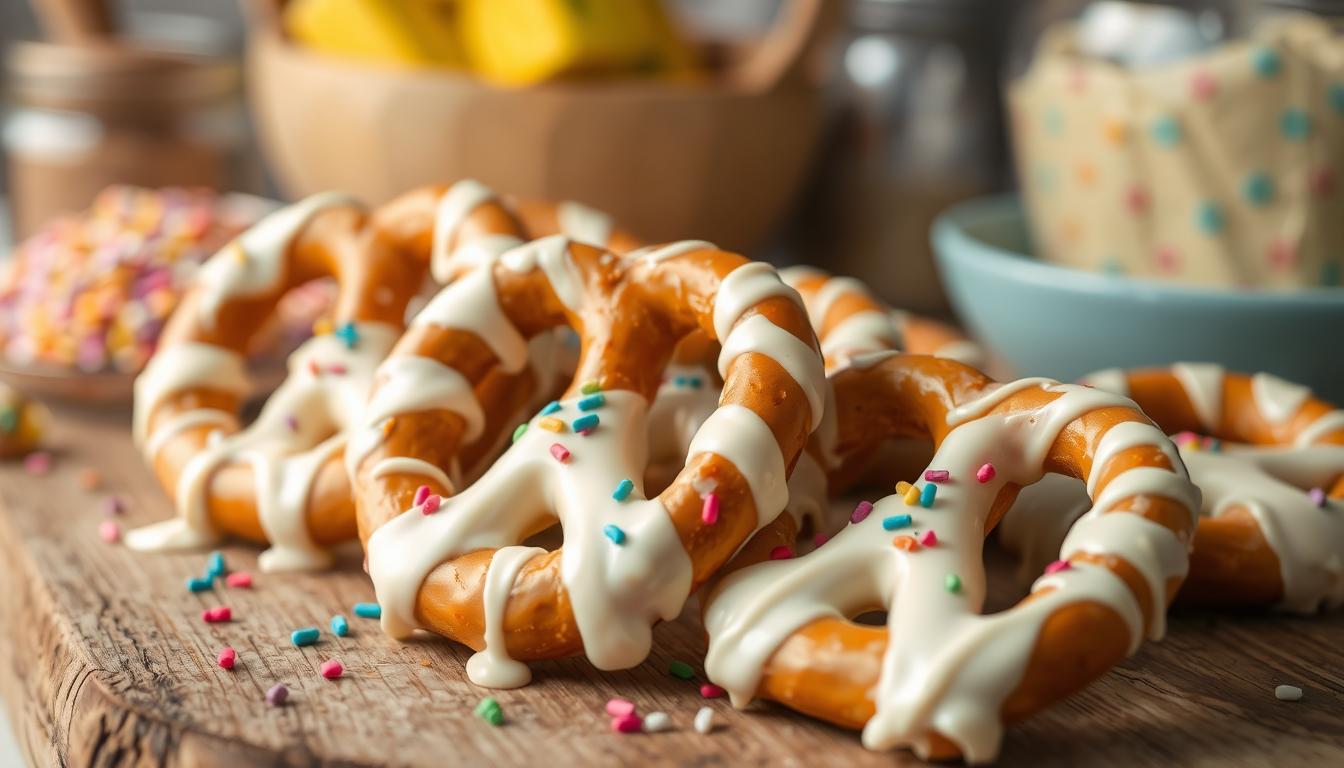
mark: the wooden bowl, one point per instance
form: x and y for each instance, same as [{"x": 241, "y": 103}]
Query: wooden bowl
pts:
[{"x": 719, "y": 160}]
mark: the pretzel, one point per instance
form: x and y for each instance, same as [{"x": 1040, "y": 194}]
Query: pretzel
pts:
[
  {"x": 1272, "y": 474},
  {"x": 455, "y": 567},
  {"x": 281, "y": 480},
  {"x": 940, "y": 678}
]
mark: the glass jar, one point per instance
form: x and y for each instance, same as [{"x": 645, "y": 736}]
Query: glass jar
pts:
[{"x": 82, "y": 117}]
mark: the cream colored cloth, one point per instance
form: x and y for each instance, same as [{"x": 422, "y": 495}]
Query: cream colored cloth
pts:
[{"x": 1225, "y": 169}]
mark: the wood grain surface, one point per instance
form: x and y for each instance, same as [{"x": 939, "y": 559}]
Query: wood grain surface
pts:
[{"x": 106, "y": 661}]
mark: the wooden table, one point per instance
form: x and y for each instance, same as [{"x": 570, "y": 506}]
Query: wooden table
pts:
[{"x": 107, "y": 662}]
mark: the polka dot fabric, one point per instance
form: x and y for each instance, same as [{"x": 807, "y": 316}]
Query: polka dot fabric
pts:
[{"x": 1221, "y": 170}]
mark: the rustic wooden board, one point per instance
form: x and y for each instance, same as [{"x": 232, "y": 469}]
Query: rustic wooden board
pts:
[{"x": 106, "y": 662}]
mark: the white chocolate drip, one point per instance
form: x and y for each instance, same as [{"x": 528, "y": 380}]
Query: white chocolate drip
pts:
[
  {"x": 302, "y": 426},
  {"x": 1320, "y": 429},
  {"x": 254, "y": 263},
  {"x": 685, "y": 399},
  {"x": 947, "y": 669},
  {"x": 1278, "y": 400},
  {"x": 491, "y": 667},
  {"x": 1203, "y": 383},
  {"x": 655, "y": 253},
  {"x": 798, "y": 359},
  {"x": 582, "y": 224},
  {"x": 744, "y": 288},
  {"x": 1111, "y": 379},
  {"x": 181, "y": 367},
  {"x": 454, "y": 207},
  {"x": 472, "y": 304},
  {"x": 551, "y": 255}
]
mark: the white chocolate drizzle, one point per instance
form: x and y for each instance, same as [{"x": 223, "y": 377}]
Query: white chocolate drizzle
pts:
[
  {"x": 551, "y": 255},
  {"x": 654, "y": 254},
  {"x": 1277, "y": 400},
  {"x": 947, "y": 669},
  {"x": 454, "y": 207},
  {"x": 491, "y": 667},
  {"x": 254, "y": 263},
  {"x": 582, "y": 224},
  {"x": 1203, "y": 383},
  {"x": 798, "y": 359},
  {"x": 301, "y": 427}
]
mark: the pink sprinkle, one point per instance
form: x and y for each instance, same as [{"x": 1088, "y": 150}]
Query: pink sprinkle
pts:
[
  {"x": 113, "y": 505},
  {"x": 820, "y": 539},
  {"x": 1185, "y": 437},
  {"x": 227, "y": 657},
  {"x": 109, "y": 531},
  {"x": 586, "y": 432},
  {"x": 627, "y": 724},
  {"x": 1317, "y": 496},
  {"x": 937, "y": 475},
  {"x": 710, "y": 512},
  {"x": 711, "y": 691},
  {"x": 928, "y": 539},
  {"x": 620, "y": 707},
  {"x": 861, "y": 512},
  {"x": 560, "y": 452},
  {"x": 781, "y": 553},
  {"x": 1057, "y": 566},
  {"x": 985, "y": 473},
  {"x": 292, "y": 423},
  {"x": 239, "y": 579},
  {"x": 337, "y": 369},
  {"x": 431, "y": 505},
  {"x": 38, "y": 463},
  {"x": 421, "y": 494},
  {"x": 332, "y": 669},
  {"x": 216, "y": 615},
  {"x": 277, "y": 695}
]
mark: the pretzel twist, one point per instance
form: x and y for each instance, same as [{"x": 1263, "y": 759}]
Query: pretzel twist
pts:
[
  {"x": 626, "y": 561},
  {"x": 1263, "y": 539},
  {"x": 281, "y": 480},
  {"x": 939, "y": 677}
]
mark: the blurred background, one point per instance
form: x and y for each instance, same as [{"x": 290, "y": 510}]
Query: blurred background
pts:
[{"x": 1108, "y": 150}]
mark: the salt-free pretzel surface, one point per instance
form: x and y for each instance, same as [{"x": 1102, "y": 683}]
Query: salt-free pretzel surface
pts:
[
  {"x": 939, "y": 677},
  {"x": 281, "y": 480},
  {"x": 1270, "y": 463},
  {"x": 454, "y": 564}
]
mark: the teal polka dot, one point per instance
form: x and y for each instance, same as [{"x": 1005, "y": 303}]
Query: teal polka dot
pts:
[
  {"x": 1209, "y": 218},
  {"x": 1045, "y": 178},
  {"x": 1295, "y": 124},
  {"x": 1330, "y": 274},
  {"x": 1054, "y": 122},
  {"x": 1334, "y": 96},
  {"x": 1265, "y": 61},
  {"x": 1166, "y": 131},
  {"x": 1258, "y": 189}
]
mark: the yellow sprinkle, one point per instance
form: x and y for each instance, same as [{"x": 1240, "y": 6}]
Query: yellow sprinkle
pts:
[
  {"x": 551, "y": 424},
  {"x": 321, "y": 327},
  {"x": 911, "y": 496},
  {"x": 903, "y": 487}
]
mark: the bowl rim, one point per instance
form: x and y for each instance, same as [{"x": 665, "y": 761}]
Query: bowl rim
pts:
[{"x": 955, "y": 245}]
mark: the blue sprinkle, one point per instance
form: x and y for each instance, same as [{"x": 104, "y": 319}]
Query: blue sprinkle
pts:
[
  {"x": 927, "y": 495},
  {"x": 1266, "y": 61},
  {"x": 584, "y": 422},
  {"x": 349, "y": 334},
  {"x": 694, "y": 381},
  {"x": 898, "y": 521},
  {"x": 592, "y": 402},
  {"x": 200, "y": 583},
  {"x": 339, "y": 626},
  {"x": 623, "y": 489},
  {"x": 550, "y": 408},
  {"x": 1295, "y": 124},
  {"x": 679, "y": 381},
  {"x": 214, "y": 566},
  {"x": 305, "y": 636},
  {"x": 614, "y": 533},
  {"x": 368, "y": 610}
]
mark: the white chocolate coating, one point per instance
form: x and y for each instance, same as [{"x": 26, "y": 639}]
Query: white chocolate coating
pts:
[
  {"x": 303, "y": 424},
  {"x": 1203, "y": 383},
  {"x": 1277, "y": 400},
  {"x": 491, "y": 667},
  {"x": 947, "y": 668},
  {"x": 583, "y": 224}
]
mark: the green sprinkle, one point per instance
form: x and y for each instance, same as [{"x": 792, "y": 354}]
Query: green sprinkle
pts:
[
  {"x": 368, "y": 610},
  {"x": 518, "y": 432},
  {"x": 952, "y": 583},
  {"x": 590, "y": 387},
  {"x": 490, "y": 711},
  {"x": 680, "y": 669}
]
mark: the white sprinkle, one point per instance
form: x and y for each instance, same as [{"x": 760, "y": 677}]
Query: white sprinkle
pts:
[
  {"x": 1288, "y": 693},
  {"x": 657, "y": 721},
  {"x": 704, "y": 720}
]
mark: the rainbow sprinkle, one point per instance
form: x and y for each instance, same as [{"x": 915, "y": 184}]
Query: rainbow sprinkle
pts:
[
  {"x": 630, "y": 723},
  {"x": 200, "y": 583},
  {"x": 952, "y": 583},
  {"x": 430, "y": 505},
  {"x": 985, "y": 473},
  {"x": 906, "y": 543},
  {"x": 421, "y": 495},
  {"x": 227, "y": 658},
  {"x": 592, "y": 402},
  {"x": 368, "y": 610},
  {"x": 277, "y": 695},
  {"x": 550, "y": 408},
  {"x": 1317, "y": 496},
  {"x": 332, "y": 669},
  {"x": 781, "y": 553},
  {"x": 559, "y": 452},
  {"x": 896, "y": 522},
  {"x": 489, "y": 710},
  {"x": 1057, "y": 566},
  {"x": 551, "y": 424},
  {"x": 614, "y": 533},
  {"x": 339, "y": 626},
  {"x": 305, "y": 636},
  {"x": 617, "y": 707},
  {"x": 214, "y": 565},
  {"x": 518, "y": 431},
  {"x": 927, "y": 495},
  {"x": 928, "y": 539},
  {"x": 591, "y": 387},
  {"x": 349, "y": 334},
  {"x": 709, "y": 513},
  {"x": 911, "y": 497},
  {"x": 585, "y": 423},
  {"x": 861, "y": 512},
  {"x": 680, "y": 669},
  {"x": 623, "y": 489},
  {"x": 937, "y": 475}
]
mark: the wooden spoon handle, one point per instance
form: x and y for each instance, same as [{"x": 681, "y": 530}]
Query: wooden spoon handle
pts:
[{"x": 75, "y": 21}]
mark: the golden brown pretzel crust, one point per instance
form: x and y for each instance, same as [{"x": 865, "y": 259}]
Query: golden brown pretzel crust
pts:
[
  {"x": 634, "y": 314},
  {"x": 1232, "y": 563},
  {"x": 830, "y": 667},
  {"x": 379, "y": 260}
]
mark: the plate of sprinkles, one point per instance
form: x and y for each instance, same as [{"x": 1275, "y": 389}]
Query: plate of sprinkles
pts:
[{"x": 83, "y": 301}]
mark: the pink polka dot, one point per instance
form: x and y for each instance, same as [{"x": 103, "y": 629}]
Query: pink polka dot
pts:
[
  {"x": 1136, "y": 200},
  {"x": 1078, "y": 79},
  {"x": 1282, "y": 253},
  {"x": 1167, "y": 259},
  {"x": 1203, "y": 86},
  {"x": 1323, "y": 181}
]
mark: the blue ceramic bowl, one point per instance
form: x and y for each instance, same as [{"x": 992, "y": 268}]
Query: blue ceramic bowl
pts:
[{"x": 1064, "y": 323}]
